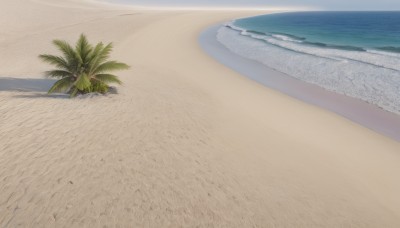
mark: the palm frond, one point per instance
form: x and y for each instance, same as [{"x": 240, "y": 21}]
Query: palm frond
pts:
[
  {"x": 58, "y": 61},
  {"x": 105, "y": 52},
  {"x": 58, "y": 74},
  {"x": 110, "y": 66},
  {"x": 73, "y": 59},
  {"x": 97, "y": 50},
  {"x": 83, "y": 48},
  {"x": 82, "y": 82},
  {"x": 61, "y": 85},
  {"x": 100, "y": 55},
  {"x": 107, "y": 78},
  {"x": 94, "y": 56},
  {"x": 65, "y": 48}
]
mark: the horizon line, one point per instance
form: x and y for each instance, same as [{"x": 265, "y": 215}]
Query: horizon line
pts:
[{"x": 233, "y": 8}]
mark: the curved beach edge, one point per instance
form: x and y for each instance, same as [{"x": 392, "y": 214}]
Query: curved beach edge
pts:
[{"x": 358, "y": 111}]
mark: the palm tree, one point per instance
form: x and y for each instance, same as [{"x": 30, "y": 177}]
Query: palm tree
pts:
[{"x": 83, "y": 69}]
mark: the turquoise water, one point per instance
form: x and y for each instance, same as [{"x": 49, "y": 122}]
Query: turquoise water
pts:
[
  {"x": 352, "y": 53},
  {"x": 348, "y": 30}
]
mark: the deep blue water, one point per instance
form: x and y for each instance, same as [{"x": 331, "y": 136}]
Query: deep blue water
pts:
[
  {"x": 351, "y": 53},
  {"x": 348, "y": 30}
]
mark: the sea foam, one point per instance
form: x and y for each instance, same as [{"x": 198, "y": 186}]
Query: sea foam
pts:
[{"x": 369, "y": 75}]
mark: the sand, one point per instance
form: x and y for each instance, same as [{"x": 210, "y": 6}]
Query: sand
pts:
[
  {"x": 356, "y": 110},
  {"x": 186, "y": 142}
]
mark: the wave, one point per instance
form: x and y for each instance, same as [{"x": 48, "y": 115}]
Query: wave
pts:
[
  {"x": 303, "y": 40},
  {"x": 372, "y": 75},
  {"x": 232, "y": 25},
  {"x": 255, "y": 32},
  {"x": 289, "y": 37},
  {"x": 322, "y": 50},
  {"x": 297, "y": 39},
  {"x": 389, "y": 49},
  {"x": 286, "y": 38},
  {"x": 384, "y": 53},
  {"x": 341, "y": 47}
]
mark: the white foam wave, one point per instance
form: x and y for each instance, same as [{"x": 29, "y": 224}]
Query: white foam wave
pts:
[
  {"x": 371, "y": 76},
  {"x": 232, "y": 25},
  {"x": 285, "y": 38},
  {"x": 384, "y": 53}
]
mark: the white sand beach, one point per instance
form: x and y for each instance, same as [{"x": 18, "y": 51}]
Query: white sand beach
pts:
[{"x": 186, "y": 142}]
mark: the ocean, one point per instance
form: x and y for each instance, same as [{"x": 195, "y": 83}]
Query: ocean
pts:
[{"x": 352, "y": 53}]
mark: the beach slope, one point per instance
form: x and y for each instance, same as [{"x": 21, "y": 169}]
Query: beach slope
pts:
[{"x": 186, "y": 142}]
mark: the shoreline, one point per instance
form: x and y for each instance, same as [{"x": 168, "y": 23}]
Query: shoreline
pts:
[{"x": 353, "y": 109}]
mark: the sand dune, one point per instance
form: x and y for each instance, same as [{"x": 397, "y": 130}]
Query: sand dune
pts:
[{"x": 186, "y": 143}]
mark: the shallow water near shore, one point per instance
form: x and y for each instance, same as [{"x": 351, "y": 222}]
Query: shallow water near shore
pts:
[
  {"x": 356, "y": 110},
  {"x": 351, "y": 53}
]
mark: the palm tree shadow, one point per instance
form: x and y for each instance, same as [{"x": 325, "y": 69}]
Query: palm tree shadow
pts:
[
  {"x": 42, "y": 95},
  {"x": 34, "y": 88}
]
